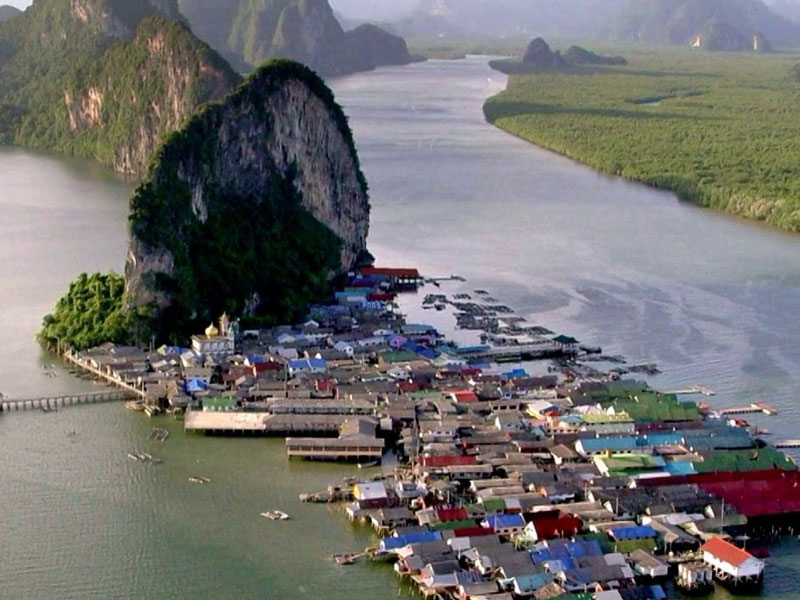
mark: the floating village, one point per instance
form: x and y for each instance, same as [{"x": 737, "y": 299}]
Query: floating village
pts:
[{"x": 526, "y": 465}]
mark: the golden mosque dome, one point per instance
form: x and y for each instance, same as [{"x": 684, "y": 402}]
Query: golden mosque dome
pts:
[{"x": 212, "y": 331}]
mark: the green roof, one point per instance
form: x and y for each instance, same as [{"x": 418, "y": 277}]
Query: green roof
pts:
[
  {"x": 631, "y": 461},
  {"x": 744, "y": 460},
  {"x": 399, "y": 356},
  {"x": 425, "y": 394},
  {"x": 218, "y": 402},
  {"x": 621, "y": 417},
  {"x": 450, "y": 525},
  {"x": 494, "y": 505},
  {"x": 650, "y": 406},
  {"x": 628, "y": 546}
]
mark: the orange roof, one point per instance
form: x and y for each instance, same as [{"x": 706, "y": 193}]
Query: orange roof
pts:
[{"x": 726, "y": 551}]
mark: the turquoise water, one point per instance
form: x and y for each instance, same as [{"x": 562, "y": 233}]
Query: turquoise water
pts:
[{"x": 712, "y": 299}]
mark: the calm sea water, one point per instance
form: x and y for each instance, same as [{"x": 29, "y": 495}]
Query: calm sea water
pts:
[{"x": 712, "y": 299}]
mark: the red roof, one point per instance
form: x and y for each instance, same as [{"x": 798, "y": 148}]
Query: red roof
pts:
[
  {"x": 471, "y": 371},
  {"x": 473, "y": 531},
  {"x": 449, "y": 460},
  {"x": 549, "y": 529},
  {"x": 465, "y": 396},
  {"x": 452, "y": 514},
  {"x": 367, "y": 271},
  {"x": 726, "y": 552},
  {"x": 270, "y": 365},
  {"x": 380, "y": 297},
  {"x": 409, "y": 386}
]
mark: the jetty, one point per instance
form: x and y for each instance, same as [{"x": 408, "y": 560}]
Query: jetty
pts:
[
  {"x": 53, "y": 403},
  {"x": 82, "y": 364},
  {"x": 784, "y": 443},
  {"x": 754, "y": 408}
]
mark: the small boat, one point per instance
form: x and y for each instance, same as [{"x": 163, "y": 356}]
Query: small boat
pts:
[
  {"x": 367, "y": 465},
  {"x": 275, "y": 515},
  {"x": 135, "y": 457},
  {"x": 201, "y": 480},
  {"x": 344, "y": 559}
]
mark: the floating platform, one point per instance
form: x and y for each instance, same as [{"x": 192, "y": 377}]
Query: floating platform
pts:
[{"x": 755, "y": 407}]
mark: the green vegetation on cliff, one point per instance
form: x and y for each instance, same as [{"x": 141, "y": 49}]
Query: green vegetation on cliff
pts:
[
  {"x": 103, "y": 79},
  {"x": 90, "y": 314},
  {"x": 719, "y": 130},
  {"x": 255, "y": 253},
  {"x": 238, "y": 214}
]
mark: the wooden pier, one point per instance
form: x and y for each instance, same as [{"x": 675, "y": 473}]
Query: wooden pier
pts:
[
  {"x": 755, "y": 407},
  {"x": 522, "y": 352},
  {"x": 784, "y": 443},
  {"x": 695, "y": 389},
  {"x": 123, "y": 391},
  {"x": 53, "y": 403},
  {"x": 132, "y": 390}
]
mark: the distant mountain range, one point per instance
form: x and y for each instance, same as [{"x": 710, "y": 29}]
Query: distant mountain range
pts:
[
  {"x": 510, "y": 18},
  {"x": 248, "y": 32},
  {"x": 655, "y": 22},
  {"x": 679, "y": 22}
]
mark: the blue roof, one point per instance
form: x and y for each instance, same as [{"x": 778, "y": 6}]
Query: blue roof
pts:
[
  {"x": 637, "y": 532},
  {"x": 663, "y": 439},
  {"x": 423, "y": 351},
  {"x": 393, "y": 543},
  {"x": 615, "y": 444},
  {"x": 505, "y": 521},
  {"x": 533, "y": 581},
  {"x": 566, "y": 552},
  {"x": 515, "y": 374},
  {"x": 584, "y": 548},
  {"x": 195, "y": 385},
  {"x": 657, "y": 592},
  {"x": 255, "y": 359},
  {"x": 307, "y": 363},
  {"x": 471, "y": 349},
  {"x": 417, "y": 328},
  {"x": 680, "y": 467},
  {"x": 542, "y": 555},
  {"x": 174, "y": 349}
]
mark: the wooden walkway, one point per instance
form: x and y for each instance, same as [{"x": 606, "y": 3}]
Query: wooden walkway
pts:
[
  {"x": 76, "y": 361},
  {"x": 52, "y": 403},
  {"x": 122, "y": 391}
]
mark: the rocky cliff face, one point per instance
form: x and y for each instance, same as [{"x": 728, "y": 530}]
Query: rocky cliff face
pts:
[
  {"x": 142, "y": 91},
  {"x": 104, "y": 79},
  {"x": 380, "y": 47},
  {"x": 307, "y": 31},
  {"x": 540, "y": 56},
  {"x": 249, "y": 208},
  {"x": 721, "y": 37}
]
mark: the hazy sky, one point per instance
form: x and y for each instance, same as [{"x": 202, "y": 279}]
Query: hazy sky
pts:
[{"x": 383, "y": 9}]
